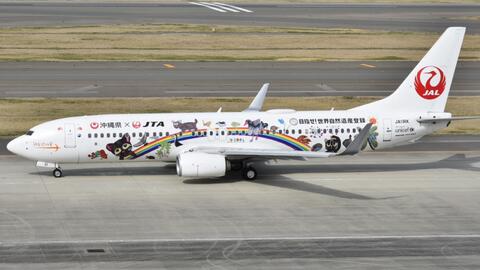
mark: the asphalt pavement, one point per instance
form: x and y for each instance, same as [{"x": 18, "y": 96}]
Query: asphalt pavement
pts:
[
  {"x": 213, "y": 79},
  {"x": 394, "y": 17}
]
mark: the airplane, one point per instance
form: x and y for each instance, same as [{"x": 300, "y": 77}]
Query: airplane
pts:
[{"x": 210, "y": 144}]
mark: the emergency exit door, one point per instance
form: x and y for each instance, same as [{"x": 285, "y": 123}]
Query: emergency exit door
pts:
[
  {"x": 387, "y": 130},
  {"x": 70, "y": 140}
]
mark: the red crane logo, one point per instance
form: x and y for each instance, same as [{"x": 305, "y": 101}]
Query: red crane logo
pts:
[{"x": 423, "y": 84}]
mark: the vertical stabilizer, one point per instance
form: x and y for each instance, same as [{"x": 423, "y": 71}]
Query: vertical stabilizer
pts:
[{"x": 426, "y": 88}]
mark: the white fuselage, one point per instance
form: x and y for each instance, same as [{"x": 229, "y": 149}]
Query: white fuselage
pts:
[{"x": 154, "y": 137}]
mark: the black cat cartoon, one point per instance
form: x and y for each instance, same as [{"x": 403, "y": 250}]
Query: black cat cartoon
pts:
[{"x": 122, "y": 147}]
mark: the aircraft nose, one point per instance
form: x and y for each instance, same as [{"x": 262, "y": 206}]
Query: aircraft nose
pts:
[{"x": 14, "y": 146}]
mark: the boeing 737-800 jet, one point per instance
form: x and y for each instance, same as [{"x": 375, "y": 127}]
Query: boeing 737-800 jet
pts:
[{"x": 210, "y": 144}]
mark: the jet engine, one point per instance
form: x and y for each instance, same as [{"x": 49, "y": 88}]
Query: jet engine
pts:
[{"x": 194, "y": 164}]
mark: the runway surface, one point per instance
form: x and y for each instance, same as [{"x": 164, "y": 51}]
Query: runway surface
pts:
[
  {"x": 153, "y": 79},
  {"x": 396, "y": 210},
  {"x": 404, "y": 17}
]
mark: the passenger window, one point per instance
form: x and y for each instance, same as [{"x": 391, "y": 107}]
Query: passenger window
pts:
[
  {"x": 330, "y": 131},
  {"x": 280, "y": 131},
  {"x": 354, "y": 130},
  {"x": 299, "y": 131},
  {"x": 114, "y": 135},
  {"x": 167, "y": 133},
  {"x": 154, "y": 134},
  {"x": 108, "y": 135},
  {"x": 146, "y": 134},
  {"x": 211, "y": 133},
  {"x": 160, "y": 134},
  {"x": 324, "y": 130},
  {"x": 342, "y": 130},
  {"x": 293, "y": 131},
  {"x": 95, "y": 135},
  {"x": 286, "y": 131},
  {"x": 120, "y": 135},
  {"x": 101, "y": 135},
  {"x": 89, "y": 135},
  {"x": 29, "y": 133},
  {"x": 223, "y": 132},
  {"x": 229, "y": 132},
  {"x": 133, "y": 134},
  {"x": 140, "y": 134}
]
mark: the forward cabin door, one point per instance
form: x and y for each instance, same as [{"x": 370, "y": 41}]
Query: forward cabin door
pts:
[
  {"x": 70, "y": 140},
  {"x": 387, "y": 130}
]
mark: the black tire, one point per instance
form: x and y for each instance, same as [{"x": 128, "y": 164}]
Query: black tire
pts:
[
  {"x": 249, "y": 173},
  {"x": 57, "y": 173}
]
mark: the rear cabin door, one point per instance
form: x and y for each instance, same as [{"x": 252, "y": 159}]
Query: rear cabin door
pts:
[
  {"x": 387, "y": 130},
  {"x": 70, "y": 141}
]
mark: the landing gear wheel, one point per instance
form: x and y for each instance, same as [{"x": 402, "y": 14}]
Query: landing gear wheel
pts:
[
  {"x": 249, "y": 173},
  {"x": 57, "y": 173}
]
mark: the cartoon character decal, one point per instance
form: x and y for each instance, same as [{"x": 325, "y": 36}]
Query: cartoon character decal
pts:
[
  {"x": 372, "y": 135},
  {"x": 163, "y": 150},
  {"x": 221, "y": 124},
  {"x": 273, "y": 129},
  {"x": 100, "y": 153},
  {"x": 255, "y": 127},
  {"x": 184, "y": 127},
  {"x": 122, "y": 147},
  {"x": 317, "y": 147},
  {"x": 142, "y": 141},
  {"x": 333, "y": 144},
  {"x": 303, "y": 139}
]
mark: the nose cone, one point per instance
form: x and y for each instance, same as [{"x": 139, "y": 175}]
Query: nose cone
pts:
[{"x": 14, "y": 146}]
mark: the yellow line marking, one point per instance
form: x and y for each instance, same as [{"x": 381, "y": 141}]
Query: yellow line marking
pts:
[
  {"x": 367, "y": 65},
  {"x": 168, "y": 65}
]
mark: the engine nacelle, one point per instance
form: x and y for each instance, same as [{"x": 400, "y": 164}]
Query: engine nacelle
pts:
[{"x": 193, "y": 164}]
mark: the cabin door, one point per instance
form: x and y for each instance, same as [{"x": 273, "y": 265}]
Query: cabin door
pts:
[
  {"x": 387, "y": 130},
  {"x": 70, "y": 141}
]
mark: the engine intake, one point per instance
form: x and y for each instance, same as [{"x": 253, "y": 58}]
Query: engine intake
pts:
[{"x": 193, "y": 164}]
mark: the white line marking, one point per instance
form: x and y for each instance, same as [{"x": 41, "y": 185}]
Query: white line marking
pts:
[
  {"x": 207, "y": 6},
  {"x": 353, "y": 237},
  {"x": 235, "y": 7},
  {"x": 220, "y": 6}
]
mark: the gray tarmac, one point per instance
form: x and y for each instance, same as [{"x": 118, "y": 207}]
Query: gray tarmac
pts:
[
  {"x": 395, "y": 210},
  {"x": 395, "y": 17},
  {"x": 213, "y": 79}
]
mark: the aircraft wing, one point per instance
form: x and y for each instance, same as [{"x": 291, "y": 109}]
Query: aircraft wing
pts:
[{"x": 235, "y": 152}]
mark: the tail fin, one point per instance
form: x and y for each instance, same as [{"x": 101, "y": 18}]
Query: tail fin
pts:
[{"x": 426, "y": 88}]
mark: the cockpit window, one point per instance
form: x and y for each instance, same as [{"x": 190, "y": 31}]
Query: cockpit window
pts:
[{"x": 29, "y": 133}]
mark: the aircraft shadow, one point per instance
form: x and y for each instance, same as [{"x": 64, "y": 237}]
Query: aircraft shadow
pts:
[
  {"x": 287, "y": 183},
  {"x": 458, "y": 162}
]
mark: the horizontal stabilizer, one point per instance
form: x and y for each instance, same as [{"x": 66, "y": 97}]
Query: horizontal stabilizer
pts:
[
  {"x": 430, "y": 120},
  {"x": 356, "y": 146}
]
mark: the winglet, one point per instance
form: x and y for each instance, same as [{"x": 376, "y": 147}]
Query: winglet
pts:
[
  {"x": 355, "y": 147},
  {"x": 257, "y": 102}
]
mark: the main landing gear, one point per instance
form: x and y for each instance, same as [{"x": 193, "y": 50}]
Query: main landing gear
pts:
[
  {"x": 57, "y": 173},
  {"x": 249, "y": 173}
]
